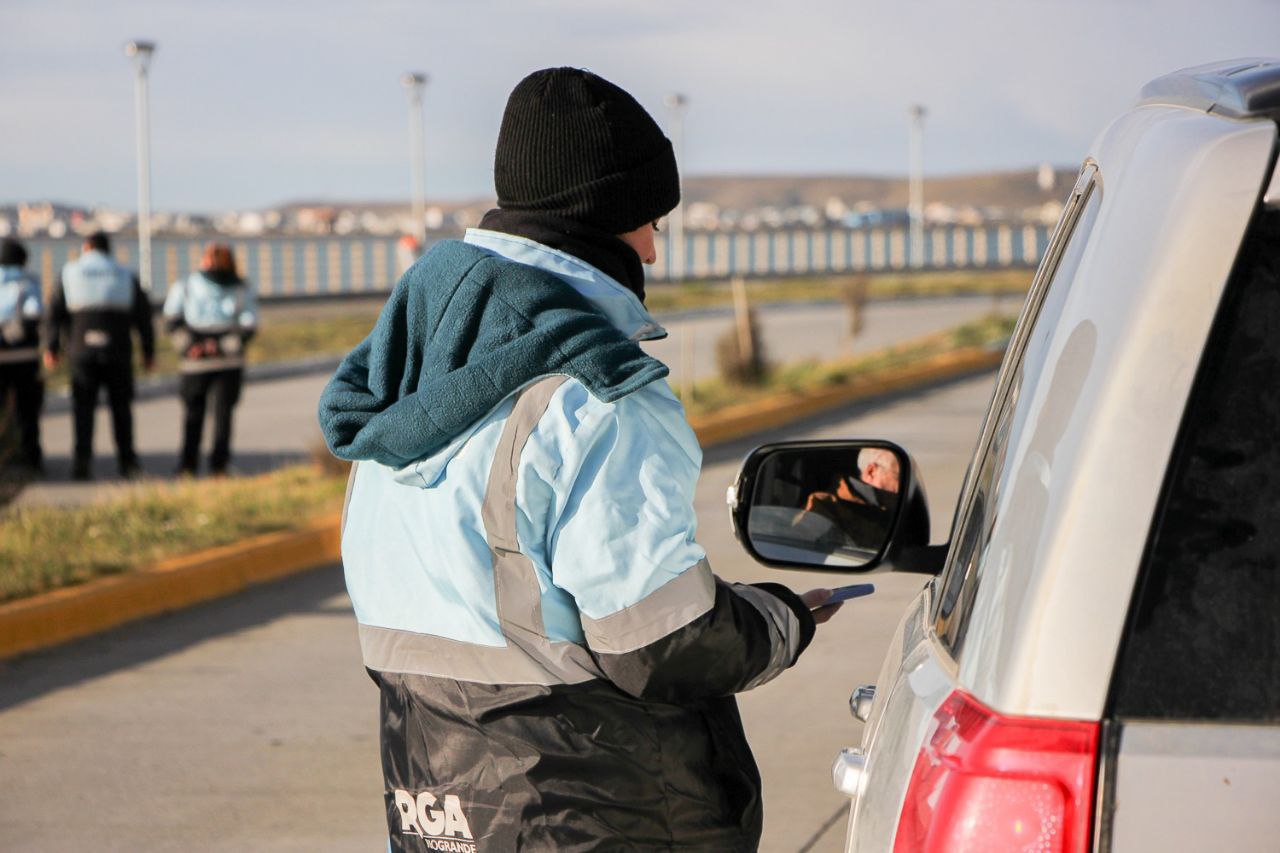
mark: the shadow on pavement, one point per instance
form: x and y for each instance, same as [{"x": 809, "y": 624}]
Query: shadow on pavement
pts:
[
  {"x": 36, "y": 674},
  {"x": 160, "y": 466}
]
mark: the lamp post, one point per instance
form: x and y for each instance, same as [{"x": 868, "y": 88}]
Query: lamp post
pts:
[
  {"x": 677, "y": 104},
  {"x": 414, "y": 83},
  {"x": 915, "y": 185},
  {"x": 140, "y": 52}
]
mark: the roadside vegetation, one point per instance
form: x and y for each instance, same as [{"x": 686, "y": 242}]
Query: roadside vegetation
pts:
[
  {"x": 296, "y": 331},
  {"x": 43, "y": 547},
  {"x": 692, "y": 295},
  {"x": 715, "y": 394}
]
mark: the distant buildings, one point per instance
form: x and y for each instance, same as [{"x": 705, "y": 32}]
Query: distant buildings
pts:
[{"x": 1035, "y": 193}]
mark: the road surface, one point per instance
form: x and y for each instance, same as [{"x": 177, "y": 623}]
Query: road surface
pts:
[
  {"x": 275, "y": 421},
  {"x": 248, "y": 724}
]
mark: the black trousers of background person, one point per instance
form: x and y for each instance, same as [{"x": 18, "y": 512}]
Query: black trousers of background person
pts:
[
  {"x": 196, "y": 388},
  {"x": 88, "y": 377},
  {"x": 23, "y": 379}
]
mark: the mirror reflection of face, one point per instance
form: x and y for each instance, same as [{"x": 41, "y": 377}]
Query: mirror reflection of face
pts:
[
  {"x": 826, "y": 506},
  {"x": 879, "y": 468}
]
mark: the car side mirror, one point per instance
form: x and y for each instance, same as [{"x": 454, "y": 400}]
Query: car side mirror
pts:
[{"x": 845, "y": 506}]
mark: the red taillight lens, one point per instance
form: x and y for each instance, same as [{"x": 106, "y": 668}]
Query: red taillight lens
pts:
[{"x": 991, "y": 783}]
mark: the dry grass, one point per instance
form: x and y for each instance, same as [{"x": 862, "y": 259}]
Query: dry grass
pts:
[
  {"x": 665, "y": 298},
  {"x": 714, "y": 394},
  {"x": 43, "y": 548},
  {"x": 314, "y": 333}
]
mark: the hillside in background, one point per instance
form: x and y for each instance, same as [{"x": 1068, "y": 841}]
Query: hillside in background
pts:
[{"x": 1014, "y": 190}]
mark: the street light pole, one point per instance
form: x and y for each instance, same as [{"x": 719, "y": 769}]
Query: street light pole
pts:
[
  {"x": 677, "y": 104},
  {"x": 414, "y": 83},
  {"x": 140, "y": 52},
  {"x": 915, "y": 185}
]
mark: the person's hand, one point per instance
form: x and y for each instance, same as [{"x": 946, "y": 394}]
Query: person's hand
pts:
[
  {"x": 50, "y": 360},
  {"x": 824, "y": 497},
  {"x": 814, "y": 598}
]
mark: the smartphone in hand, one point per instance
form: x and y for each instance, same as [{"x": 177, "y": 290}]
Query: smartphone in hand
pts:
[{"x": 844, "y": 593}]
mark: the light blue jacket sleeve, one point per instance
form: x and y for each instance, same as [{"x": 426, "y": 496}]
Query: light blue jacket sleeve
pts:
[{"x": 623, "y": 522}]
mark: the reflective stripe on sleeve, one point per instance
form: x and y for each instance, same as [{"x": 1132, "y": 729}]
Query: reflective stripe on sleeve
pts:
[
  {"x": 667, "y": 609},
  {"x": 784, "y": 631}
]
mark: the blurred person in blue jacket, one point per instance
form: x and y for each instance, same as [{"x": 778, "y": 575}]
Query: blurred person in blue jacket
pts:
[
  {"x": 21, "y": 309},
  {"x": 557, "y": 661},
  {"x": 96, "y": 307},
  {"x": 210, "y": 316}
]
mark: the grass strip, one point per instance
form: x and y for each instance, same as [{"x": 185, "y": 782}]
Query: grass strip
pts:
[
  {"x": 44, "y": 547},
  {"x": 714, "y": 394},
  {"x": 669, "y": 298},
  {"x": 312, "y": 333}
]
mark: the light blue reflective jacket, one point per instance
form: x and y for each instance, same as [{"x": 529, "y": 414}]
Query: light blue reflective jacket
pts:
[
  {"x": 96, "y": 281},
  {"x": 207, "y": 306},
  {"x": 20, "y": 297},
  {"x": 604, "y": 499}
]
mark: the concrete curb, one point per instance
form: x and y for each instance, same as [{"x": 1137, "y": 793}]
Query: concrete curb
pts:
[{"x": 66, "y": 614}]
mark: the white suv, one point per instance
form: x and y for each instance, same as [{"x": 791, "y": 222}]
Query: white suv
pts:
[{"x": 1096, "y": 665}]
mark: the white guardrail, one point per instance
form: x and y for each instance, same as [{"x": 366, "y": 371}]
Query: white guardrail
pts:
[{"x": 291, "y": 267}]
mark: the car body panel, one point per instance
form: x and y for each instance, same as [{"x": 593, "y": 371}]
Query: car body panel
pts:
[
  {"x": 1094, "y": 419},
  {"x": 1194, "y": 787},
  {"x": 916, "y": 678},
  {"x": 1092, "y": 440}
]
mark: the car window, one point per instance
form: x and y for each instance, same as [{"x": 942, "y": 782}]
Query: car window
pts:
[
  {"x": 1021, "y": 372},
  {"x": 1203, "y": 639}
]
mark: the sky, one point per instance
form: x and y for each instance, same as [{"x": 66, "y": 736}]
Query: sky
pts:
[{"x": 256, "y": 102}]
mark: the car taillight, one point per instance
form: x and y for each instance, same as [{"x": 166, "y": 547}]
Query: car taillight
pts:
[{"x": 987, "y": 782}]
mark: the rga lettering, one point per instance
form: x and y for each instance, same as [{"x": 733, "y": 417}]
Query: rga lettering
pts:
[{"x": 439, "y": 827}]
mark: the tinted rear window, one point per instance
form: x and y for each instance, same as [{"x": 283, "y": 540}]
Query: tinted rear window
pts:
[{"x": 1204, "y": 637}]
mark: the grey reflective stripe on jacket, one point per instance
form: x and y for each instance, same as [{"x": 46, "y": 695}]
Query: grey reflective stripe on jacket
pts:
[
  {"x": 528, "y": 656},
  {"x": 784, "y": 632}
]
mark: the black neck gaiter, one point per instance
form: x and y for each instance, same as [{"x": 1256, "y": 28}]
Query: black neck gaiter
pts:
[{"x": 603, "y": 251}]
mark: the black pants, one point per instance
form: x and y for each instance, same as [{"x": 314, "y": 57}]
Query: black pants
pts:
[
  {"x": 196, "y": 388},
  {"x": 88, "y": 377},
  {"x": 23, "y": 378}
]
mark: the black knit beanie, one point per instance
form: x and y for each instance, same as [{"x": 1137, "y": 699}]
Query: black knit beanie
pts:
[{"x": 576, "y": 146}]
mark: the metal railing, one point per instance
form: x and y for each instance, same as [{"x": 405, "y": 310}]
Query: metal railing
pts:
[{"x": 300, "y": 267}]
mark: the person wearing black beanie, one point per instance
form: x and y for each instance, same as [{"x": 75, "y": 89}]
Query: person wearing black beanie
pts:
[
  {"x": 580, "y": 166},
  {"x": 557, "y": 661}
]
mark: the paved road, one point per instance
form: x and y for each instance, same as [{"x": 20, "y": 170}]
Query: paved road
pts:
[
  {"x": 248, "y": 724},
  {"x": 275, "y": 422}
]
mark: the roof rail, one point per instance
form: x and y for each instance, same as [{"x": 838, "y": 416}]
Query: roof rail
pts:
[{"x": 1238, "y": 88}]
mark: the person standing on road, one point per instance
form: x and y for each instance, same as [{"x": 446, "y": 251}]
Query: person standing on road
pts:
[
  {"x": 96, "y": 305},
  {"x": 210, "y": 316},
  {"x": 21, "y": 308},
  {"x": 557, "y": 662}
]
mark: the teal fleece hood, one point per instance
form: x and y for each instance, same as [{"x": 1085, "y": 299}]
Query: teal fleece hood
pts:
[{"x": 463, "y": 329}]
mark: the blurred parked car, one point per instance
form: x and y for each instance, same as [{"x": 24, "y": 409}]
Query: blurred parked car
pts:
[{"x": 1096, "y": 663}]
